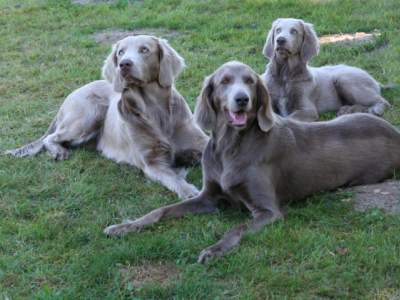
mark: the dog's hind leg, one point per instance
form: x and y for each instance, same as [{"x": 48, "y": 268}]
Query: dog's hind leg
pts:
[
  {"x": 53, "y": 144},
  {"x": 34, "y": 147},
  {"x": 78, "y": 120},
  {"x": 361, "y": 94},
  {"x": 379, "y": 108},
  {"x": 71, "y": 134}
]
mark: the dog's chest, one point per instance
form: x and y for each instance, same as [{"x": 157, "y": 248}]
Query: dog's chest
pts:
[
  {"x": 279, "y": 92},
  {"x": 282, "y": 106},
  {"x": 160, "y": 119},
  {"x": 231, "y": 168},
  {"x": 224, "y": 169}
]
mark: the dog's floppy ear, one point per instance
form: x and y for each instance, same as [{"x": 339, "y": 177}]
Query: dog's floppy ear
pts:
[
  {"x": 171, "y": 64},
  {"x": 204, "y": 112},
  {"x": 268, "y": 50},
  {"x": 109, "y": 70},
  {"x": 265, "y": 116},
  {"x": 310, "y": 45}
]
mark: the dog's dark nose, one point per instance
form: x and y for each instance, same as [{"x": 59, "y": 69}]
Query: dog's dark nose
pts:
[
  {"x": 281, "y": 41},
  {"x": 241, "y": 99},
  {"x": 125, "y": 64}
]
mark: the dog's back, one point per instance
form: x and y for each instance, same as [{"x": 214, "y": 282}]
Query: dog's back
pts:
[{"x": 350, "y": 150}]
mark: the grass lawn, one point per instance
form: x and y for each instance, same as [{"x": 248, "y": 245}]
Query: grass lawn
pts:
[{"x": 52, "y": 213}]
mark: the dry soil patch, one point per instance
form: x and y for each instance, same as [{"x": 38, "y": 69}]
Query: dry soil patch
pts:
[
  {"x": 159, "y": 273},
  {"x": 385, "y": 196},
  {"x": 349, "y": 38}
]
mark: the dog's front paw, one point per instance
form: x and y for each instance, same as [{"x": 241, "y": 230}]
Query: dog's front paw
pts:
[
  {"x": 351, "y": 109},
  {"x": 120, "y": 229},
  {"x": 344, "y": 110},
  {"x": 189, "y": 191},
  {"x": 209, "y": 253}
]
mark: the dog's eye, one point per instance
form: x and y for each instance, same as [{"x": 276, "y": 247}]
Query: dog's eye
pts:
[
  {"x": 293, "y": 31},
  {"x": 226, "y": 80},
  {"x": 278, "y": 30},
  {"x": 248, "y": 80},
  {"x": 143, "y": 50},
  {"x": 120, "y": 52}
]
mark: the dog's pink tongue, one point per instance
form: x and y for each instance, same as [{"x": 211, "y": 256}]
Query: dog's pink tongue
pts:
[{"x": 238, "y": 118}]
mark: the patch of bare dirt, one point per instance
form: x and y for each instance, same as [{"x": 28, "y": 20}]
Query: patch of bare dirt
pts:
[
  {"x": 347, "y": 38},
  {"x": 114, "y": 35},
  {"x": 385, "y": 196},
  {"x": 159, "y": 273}
]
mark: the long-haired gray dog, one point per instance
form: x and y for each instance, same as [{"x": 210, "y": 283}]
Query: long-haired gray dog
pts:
[
  {"x": 136, "y": 114},
  {"x": 302, "y": 92},
  {"x": 260, "y": 161}
]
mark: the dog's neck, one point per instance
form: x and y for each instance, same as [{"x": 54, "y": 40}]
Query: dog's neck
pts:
[
  {"x": 148, "y": 105},
  {"x": 291, "y": 68},
  {"x": 251, "y": 144},
  {"x": 153, "y": 94},
  {"x": 155, "y": 90},
  {"x": 228, "y": 141}
]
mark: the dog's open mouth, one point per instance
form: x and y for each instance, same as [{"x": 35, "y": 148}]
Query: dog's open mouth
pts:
[{"x": 238, "y": 118}]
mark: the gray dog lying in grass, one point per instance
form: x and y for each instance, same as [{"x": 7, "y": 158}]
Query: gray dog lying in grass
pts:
[
  {"x": 261, "y": 161},
  {"x": 157, "y": 133},
  {"x": 302, "y": 92}
]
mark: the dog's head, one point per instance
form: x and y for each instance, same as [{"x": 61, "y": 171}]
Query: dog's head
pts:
[
  {"x": 142, "y": 59},
  {"x": 291, "y": 37},
  {"x": 235, "y": 94}
]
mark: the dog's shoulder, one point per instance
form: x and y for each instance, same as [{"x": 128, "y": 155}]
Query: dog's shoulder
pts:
[{"x": 179, "y": 107}]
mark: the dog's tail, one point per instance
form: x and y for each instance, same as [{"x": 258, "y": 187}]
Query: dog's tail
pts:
[
  {"x": 34, "y": 147},
  {"x": 388, "y": 86}
]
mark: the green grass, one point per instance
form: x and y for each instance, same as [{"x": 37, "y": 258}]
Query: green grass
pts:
[{"x": 52, "y": 213}]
